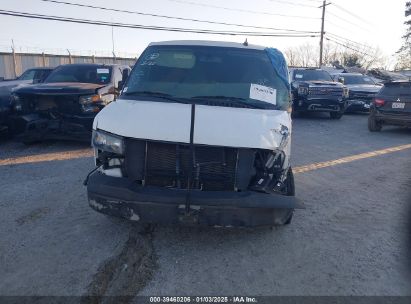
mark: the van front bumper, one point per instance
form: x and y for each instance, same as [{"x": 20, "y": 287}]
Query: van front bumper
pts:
[{"x": 124, "y": 198}]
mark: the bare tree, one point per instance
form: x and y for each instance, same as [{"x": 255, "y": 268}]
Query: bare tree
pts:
[
  {"x": 366, "y": 57},
  {"x": 291, "y": 55},
  {"x": 304, "y": 55}
]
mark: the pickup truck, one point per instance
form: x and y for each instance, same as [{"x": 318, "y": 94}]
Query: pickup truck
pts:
[
  {"x": 65, "y": 104},
  {"x": 314, "y": 90},
  {"x": 201, "y": 135}
]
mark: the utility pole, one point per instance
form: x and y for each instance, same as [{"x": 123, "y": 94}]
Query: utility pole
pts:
[
  {"x": 13, "y": 48},
  {"x": 70, "y": 58},
  {"x": 322, "y": 31},
  {"x": 112, "y": 40}
]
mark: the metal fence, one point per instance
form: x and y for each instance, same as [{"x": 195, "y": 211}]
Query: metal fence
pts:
[{"x": 14, "y": 64}]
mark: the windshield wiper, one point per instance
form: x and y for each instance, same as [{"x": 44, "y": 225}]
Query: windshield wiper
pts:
[
  {"x": 156, "y": 95},
  {"x": 235, "y": 100},
  {"x": 152, "y": 93}
]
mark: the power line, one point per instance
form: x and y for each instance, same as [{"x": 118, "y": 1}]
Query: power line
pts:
[
  {"x": 294, "y": 3},
  {"x": 352, "y": 45},
  {"x": 149, "y": 27},
  {"x": 349, "y": 22},
  {"x": 348, "y": 47},
  {"x": 346, "y": 39},
  {"x": 171, "y": 17},
  {"x": 339, "y": 26},
  {"x": 352, "y": 41},
  {"x": 351, "y": 13},
  {"x": 240, "y": 10},
  {"x": 344, "y": 29}
]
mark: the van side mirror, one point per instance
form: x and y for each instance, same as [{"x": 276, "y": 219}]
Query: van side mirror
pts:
[
  {"x": 123, "y": 79},
  {"x": 341, "y": 79},
  {"x": 37, "y": 80},
  {"x": 126, "y": 72}
]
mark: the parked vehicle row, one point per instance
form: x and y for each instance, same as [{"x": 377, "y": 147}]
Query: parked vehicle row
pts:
[{"x": 25, "y": 111}]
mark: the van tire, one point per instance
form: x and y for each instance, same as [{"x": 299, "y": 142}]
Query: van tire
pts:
[{"x": 287, "y": 214}]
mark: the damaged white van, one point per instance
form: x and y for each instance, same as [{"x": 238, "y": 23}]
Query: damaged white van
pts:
[{"x": 200, "y": 135}]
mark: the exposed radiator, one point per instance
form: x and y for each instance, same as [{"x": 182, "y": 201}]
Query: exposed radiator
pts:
[{"x": 168, "y": 165}]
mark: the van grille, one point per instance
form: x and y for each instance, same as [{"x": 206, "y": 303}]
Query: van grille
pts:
[{"x": 168, "y": 165}]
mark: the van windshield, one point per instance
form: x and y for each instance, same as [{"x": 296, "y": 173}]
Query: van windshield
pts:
[{"x": 221, "y": 75}]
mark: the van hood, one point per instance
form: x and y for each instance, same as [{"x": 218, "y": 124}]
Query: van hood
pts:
[{"x": 216, "y": 126}]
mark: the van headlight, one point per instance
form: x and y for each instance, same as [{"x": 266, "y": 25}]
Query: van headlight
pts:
[{"x": 108, "y": 142}]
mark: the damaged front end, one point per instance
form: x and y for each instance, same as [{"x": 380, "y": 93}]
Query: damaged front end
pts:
[
  {"x": 37, "y": 117},
  {"x": 162, "y": 182}
]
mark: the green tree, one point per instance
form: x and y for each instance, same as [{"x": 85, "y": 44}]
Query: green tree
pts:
[{"x": 404, "y": 53}]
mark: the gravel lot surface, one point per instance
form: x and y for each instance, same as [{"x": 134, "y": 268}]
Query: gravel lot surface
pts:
[{"x": 350, "y": 239}]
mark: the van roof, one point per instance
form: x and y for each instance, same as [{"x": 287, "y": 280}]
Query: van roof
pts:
[{"x": 209, "y": 43}]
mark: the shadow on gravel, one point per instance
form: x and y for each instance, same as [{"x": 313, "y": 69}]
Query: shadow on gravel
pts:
[
  {"x": 121, "y": 277},
  {"x": 356, "y": 114},
  {"x": 314, "y": 116},
  {"x": 396, "y": 130},
  {"x": 17, "y": 153},
  {"x": 7, "y": 144}
]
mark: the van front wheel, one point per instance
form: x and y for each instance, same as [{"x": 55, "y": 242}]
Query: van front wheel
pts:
[{"x": 284, "y": 216}]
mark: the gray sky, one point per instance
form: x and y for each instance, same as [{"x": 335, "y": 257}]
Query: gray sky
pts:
[{"x": 378, "y": 23}]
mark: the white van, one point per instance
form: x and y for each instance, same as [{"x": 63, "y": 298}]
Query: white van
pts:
[{"x": 200, "y": 135}]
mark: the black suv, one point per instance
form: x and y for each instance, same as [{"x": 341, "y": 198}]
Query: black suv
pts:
[
  {"x": 314, "y": 90},
  {"x": 65, "y": 104},
  {"x": 391, "y": 106}
]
